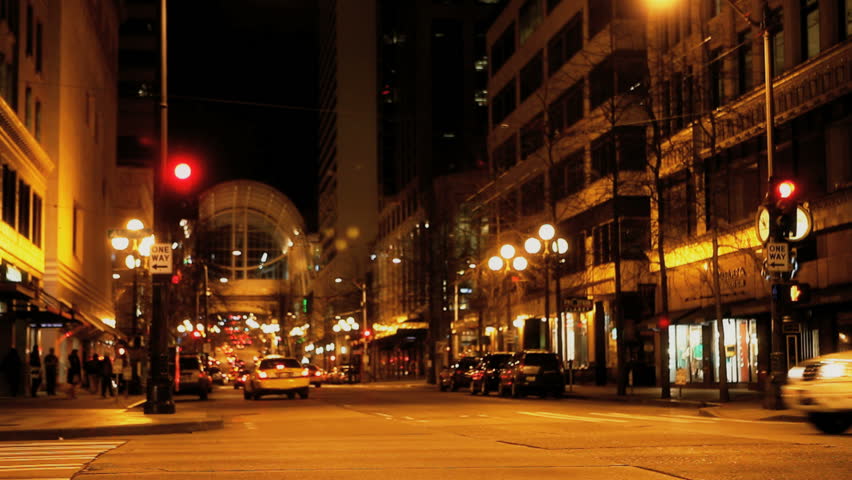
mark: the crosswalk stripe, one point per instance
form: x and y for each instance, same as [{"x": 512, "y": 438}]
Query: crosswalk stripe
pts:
[
  {"x": 50, "y": 455},
  {"x": 648, "y": 417},
  {"x": 559, "y": 416}
]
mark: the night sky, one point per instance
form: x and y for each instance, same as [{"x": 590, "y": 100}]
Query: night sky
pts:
[{"x": 243, "y": 92}]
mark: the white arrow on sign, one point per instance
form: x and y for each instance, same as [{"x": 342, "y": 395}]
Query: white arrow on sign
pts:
[{"x": 161, "y": 259}]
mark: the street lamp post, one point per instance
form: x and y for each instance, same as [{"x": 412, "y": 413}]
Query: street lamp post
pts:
[
  {"x": 506, "y": 262},
  {"x": 548, "y": 246},
  {"x": 138, "y": 240},
  {"x": 365, "y": 331}
]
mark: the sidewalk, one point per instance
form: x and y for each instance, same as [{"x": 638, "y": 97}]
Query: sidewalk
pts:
[{"x": 59, "y": 417}]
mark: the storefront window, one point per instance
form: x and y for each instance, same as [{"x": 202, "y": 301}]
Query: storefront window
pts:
[
  {"x": 686, "y": 353},
  {"x": 611, "y": 337},
  {"x": 740, "y": 350},
  {"x": 576, "y": 338}
]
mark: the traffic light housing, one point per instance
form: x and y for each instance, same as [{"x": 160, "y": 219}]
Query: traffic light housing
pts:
[
  {"x": 784, "y": 201},
  {"x": 791, "y": 293}
]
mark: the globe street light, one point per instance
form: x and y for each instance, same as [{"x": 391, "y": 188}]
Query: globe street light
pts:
[
  {"x": 139, "y": 240},
  {"x": 548, "y": 247},
  {"x": 506, "y": 262}
]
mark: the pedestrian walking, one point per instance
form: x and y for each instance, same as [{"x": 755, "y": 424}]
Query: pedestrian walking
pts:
[
  {"x": 75, "y": 373},
  {"x": 12, "y": 368},
  {"x": 93, "y": 373},
  {"x": 106, "y": 376},
  {"x": 51, "y": 371},
  {"x": 35, "y": 371}
]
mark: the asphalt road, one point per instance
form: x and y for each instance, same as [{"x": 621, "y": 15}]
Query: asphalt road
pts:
[{"x": 414, "y": 432}]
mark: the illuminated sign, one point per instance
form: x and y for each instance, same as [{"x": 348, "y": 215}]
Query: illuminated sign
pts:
[{"x": 13, "y": 274}]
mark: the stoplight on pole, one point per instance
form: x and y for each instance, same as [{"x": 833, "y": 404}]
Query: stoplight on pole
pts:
[{"x": 785, "y": 200}]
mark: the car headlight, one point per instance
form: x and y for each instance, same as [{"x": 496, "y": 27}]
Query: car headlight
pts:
[
  {"x": 796, "y": 373},
  {"x": 832, "y": 370}
]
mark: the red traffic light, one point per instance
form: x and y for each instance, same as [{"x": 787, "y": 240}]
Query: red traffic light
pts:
[
  {"x": 175, "y": 279},
  {"x": 785, "y": 189},
  {"x": 183, "y": 171},
  {"x": 664, "y": 322}
]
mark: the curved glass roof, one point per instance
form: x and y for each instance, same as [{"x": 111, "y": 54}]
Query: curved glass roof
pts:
[{"x": 247, "y": 229}]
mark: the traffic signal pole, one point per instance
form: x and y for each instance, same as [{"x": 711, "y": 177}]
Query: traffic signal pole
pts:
[
  {"x": 778, "y": 355},
  {"x": 159, "y": 396}
]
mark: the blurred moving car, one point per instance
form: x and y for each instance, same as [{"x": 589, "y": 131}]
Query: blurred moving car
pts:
[
  {"x": 537, "y": 371},
  {"x": 485, "y": 377},
  {"x": 194, "y": 379},
  {"x": 238, "y": 377},
  {"x": 822, "y": 387},
  {"x": 457, "y": 375},
  {"x": 278, "y": 375},
  {"x": 316, "y": 374},
  {"x": 217, "y": 376},
  {"x": 343, "y": 374}
]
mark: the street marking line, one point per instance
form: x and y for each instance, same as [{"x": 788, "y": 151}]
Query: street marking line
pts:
[
  {"x": 482, "y": 415},
  {"x": 408, "y": 418},
  {"x": 134, "y": 404},
  {"x": 648, "y": 418},
  {"x": 464, "y": 416},
  {"x": 57, "y": 466},
  {"x": 558, "y": 416},
  {"x": 692, "y": 417},
  {"x": 48, "y": 456},
  {"x": 385, "y": 415}
]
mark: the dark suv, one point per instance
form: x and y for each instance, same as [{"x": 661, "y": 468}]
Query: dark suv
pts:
[
  {"x": 486, "y": 376},
  {"x": 457, "y": 375},
  {"x": 533, "y": 371}
]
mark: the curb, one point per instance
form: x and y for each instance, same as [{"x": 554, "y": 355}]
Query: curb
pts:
[
  {"x": 112, "y": 431},
  {"x": 710, "y": 412}
]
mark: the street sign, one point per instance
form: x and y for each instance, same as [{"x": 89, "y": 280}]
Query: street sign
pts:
[
  {"x": 778, "y": 257},
  {"x": 577, "y": 305},
  {"x": 161, "y": 259}
]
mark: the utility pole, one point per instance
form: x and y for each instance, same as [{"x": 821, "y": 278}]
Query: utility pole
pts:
[{"x": 159, "y": 398}]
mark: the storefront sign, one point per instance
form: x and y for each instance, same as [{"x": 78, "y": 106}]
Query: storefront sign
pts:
[{"x": 577, "y": 305}]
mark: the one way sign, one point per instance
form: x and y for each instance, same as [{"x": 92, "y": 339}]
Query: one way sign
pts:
[
  {"x": 161, "y": 259},
  {"x": 778, "y": 257}
]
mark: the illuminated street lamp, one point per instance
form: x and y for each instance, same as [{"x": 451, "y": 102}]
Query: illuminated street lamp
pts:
[
  {"x": 138, "y": 240},
  {"x": 549, "y": 248},
  {"x": 366, "y": 333}
]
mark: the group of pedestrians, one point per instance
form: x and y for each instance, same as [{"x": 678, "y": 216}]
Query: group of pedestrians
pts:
[{"x": 96, "y": 373}]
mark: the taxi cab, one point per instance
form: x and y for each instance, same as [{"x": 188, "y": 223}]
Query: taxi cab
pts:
[
  {"x": 274, "y": 374},
  {"x": 822, "y": 387}
]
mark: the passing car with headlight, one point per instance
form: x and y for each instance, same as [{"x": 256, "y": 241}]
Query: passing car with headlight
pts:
[
  {"x": 822, "y": 387},
  {"x": 274, "y": 374}
]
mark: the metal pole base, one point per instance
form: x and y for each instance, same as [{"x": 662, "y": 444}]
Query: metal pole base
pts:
[
  {"x": 778, "y": 376},
  {"x": 160, "y": 400}
]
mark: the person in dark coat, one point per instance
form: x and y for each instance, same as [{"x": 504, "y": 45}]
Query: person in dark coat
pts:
[
  {"x": 93, "y": 372},
  {"x": 13, "y": 368},
  {"x": 51, "y": 371},
  {"x": 35, "y": 371},
  {"x": 106, "y": 376},
  {"x": 75, "y": 372}
]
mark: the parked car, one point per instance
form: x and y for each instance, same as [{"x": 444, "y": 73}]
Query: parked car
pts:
[
  {"x": 485, "y": 377},
  {"x": 316, "y": 374},
  {"x": 457, "y": 375},
  {"x": 822, "y": 387},
  {"x": 533, "y": 371},
  {"x": 274, "y": 374},
  {"x": 194, "y": 379}
]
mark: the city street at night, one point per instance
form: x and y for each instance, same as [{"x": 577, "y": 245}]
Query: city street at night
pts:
[{"x": 413, "y": 431}]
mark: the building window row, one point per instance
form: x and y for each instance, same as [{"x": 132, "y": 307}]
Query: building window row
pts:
[{"x": 21, "y": 208}]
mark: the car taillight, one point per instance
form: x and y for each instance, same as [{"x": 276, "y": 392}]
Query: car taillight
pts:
[
  {"x": 306, "y": 372},
  {"x": 262, "y": 374},
  {"x": 201, "y": 375}
]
